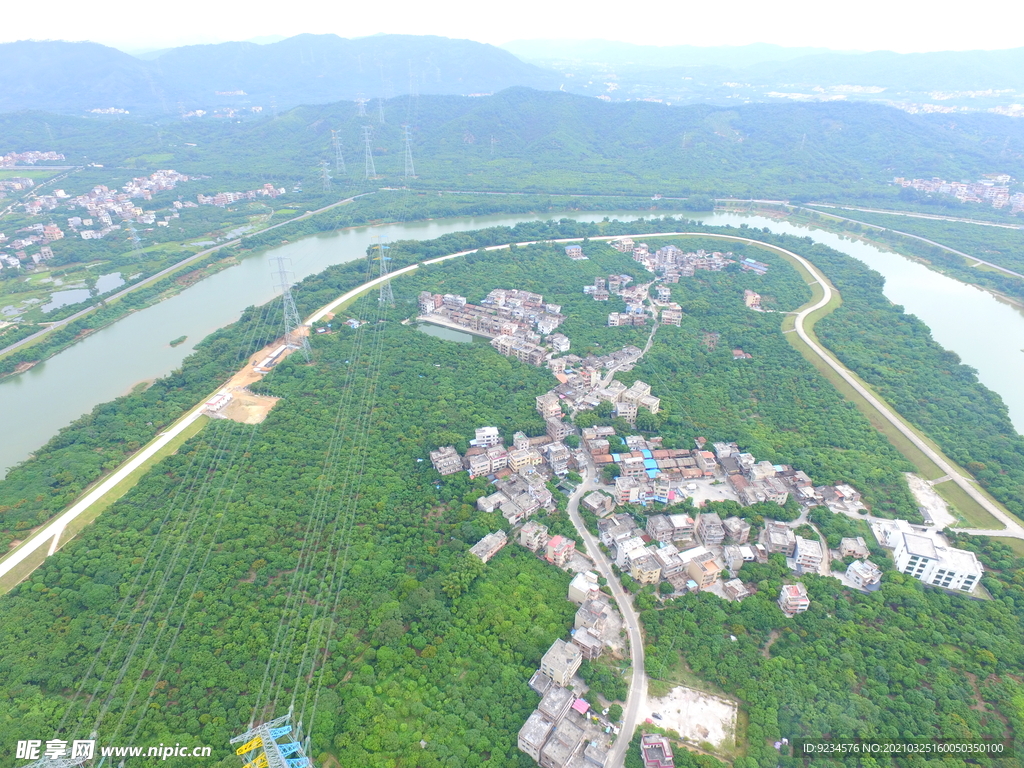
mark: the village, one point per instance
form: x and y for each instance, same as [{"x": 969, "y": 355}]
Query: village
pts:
[
  {"x": 102, "y": 210},
  {"x": 638, "y": 482},
  {"x": 994, "y": 189}
]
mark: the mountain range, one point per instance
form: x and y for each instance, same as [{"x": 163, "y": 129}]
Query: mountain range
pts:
[
  {"x": 306, "y": 69},
  {"x": 245, "y": 77}
]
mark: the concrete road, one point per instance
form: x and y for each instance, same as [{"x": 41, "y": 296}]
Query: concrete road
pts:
[
  {"x": 1013, "y": 528},
  {"x": 52, "y": 531},
  {"x": 636, "y": 698}
]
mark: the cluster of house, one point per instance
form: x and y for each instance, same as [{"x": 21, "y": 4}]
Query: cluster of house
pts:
[
  {"x": 556, "y": 733},
  {"x": 16, "y": 184},
  {"x": 672, "y": 262},
  {"x": 995, "y": 189},
  {"x": 581, "y": 389},
  {"x": 757, "y": 481},
  {"x": 514, "y": 320},
  {"x": 28, "y": 158},
  {"x": 222, "y": 199},
  {"x": 604, "y": 288}
]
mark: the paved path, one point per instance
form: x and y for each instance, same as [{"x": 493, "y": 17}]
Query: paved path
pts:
[
  {"x": 913, "y": 215},
  {"x": 1013, "y": 528},
  {"x": 636, "y": 698},
  {"x": 163, "y": 273},
  {"x": 50, "y": 533}
]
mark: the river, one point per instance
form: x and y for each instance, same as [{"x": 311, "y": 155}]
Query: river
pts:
[
  {"x": 36, "y": 404},
  {"x": 986, "y": 333}
]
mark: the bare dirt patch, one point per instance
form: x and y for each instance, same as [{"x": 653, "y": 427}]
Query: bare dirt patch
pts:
[
  {"x": 696, "y": 716},
  {"x": 247, "y": 408},
  {"x": 929, "y": 498}
]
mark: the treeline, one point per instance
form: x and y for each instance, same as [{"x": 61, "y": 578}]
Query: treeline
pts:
[
  {"x": 997, "y": 245},
  {"x": 422, "y": 637},
  {"x": 533, "y": 141}
]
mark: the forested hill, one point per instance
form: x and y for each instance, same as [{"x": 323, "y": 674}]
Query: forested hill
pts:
[
  {"x": 522, "y": 139},
  {"x": 306, "y": 69}
]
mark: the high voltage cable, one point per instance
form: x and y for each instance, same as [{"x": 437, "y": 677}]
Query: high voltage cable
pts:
[{"x": 132, "y": 596}]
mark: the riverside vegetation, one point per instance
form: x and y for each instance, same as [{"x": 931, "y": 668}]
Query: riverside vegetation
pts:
[{"x": 411, "y": 610}]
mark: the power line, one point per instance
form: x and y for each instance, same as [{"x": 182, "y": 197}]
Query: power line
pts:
[
  {"x": 410, "y": 169},
  {"x": 371, "y": 171},
  {"x": 292, "y": 337},
  {"x": 339, "y": 158}
]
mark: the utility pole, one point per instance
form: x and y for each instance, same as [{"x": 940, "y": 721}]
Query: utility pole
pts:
[
  {"x": 339, "y": 158},
  {"x": 387, "y": 298},
  {"x": 325, "y": 175},
  {"x": 371, "y": 171},
  {"x": 292, "y": 337},
  {"x": 410, "y": 169}
]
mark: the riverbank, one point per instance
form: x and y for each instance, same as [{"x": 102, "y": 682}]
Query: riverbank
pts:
[{"x": 18, "y": 564}]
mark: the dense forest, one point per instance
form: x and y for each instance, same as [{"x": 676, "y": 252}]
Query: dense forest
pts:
[
  {"x": 160, "y": 619},
  {"x": 210, "y": 546},
  {"x": 534, "y": 141},
  {"x": 905, "y": 662}
]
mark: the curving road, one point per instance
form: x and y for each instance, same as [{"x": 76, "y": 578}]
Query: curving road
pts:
[
  {"x": 637, "y": 696},
  {"x": 1013, "y": 528}
]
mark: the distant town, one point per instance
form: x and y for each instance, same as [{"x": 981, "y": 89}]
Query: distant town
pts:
[
  {"x": 103, "y": 210},
  {"x": 994, "y": 190}
]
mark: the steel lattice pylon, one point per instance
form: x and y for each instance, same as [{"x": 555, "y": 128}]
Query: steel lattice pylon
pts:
[
  {"x": 339, "y": 158},
  {"x": 292, "y": 323},
  {"x": 371, "y": 170},
  {"x": 261, "y": 745},
  {"x": 410, "y": 169},
  {"x": 387, "y": 297}
]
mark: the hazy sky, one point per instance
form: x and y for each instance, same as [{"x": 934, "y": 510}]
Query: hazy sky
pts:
[{"x": 899, "y": 25}]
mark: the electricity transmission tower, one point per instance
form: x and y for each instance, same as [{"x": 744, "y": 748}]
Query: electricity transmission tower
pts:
[
  {"x": 362, "y": 105},
  {"x": 380, "y": 109},
  {"x": 339, "y": 158},
  {"x": 292, "y": 336},
  {"x": 410, "y": 169},
  {"x": 325, "y": 175},
  {"x": 261, "y": 745},
  {"x": 136, "y": 240},
  {"x": 386, "y": 296},
  {"x": 371, "y": 171}
]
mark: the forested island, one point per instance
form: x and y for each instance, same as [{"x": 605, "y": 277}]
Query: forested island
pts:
[{"x": 198, "y": 562}]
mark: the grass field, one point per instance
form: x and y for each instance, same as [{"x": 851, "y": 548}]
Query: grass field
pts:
[{"x": 973, "y": 513}]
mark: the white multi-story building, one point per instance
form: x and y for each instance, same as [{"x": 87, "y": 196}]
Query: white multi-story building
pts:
[{"x": 924, "y": 554}]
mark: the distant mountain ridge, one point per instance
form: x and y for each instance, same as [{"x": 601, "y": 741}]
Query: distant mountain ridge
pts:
[{"x": 306, "y": 69}]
